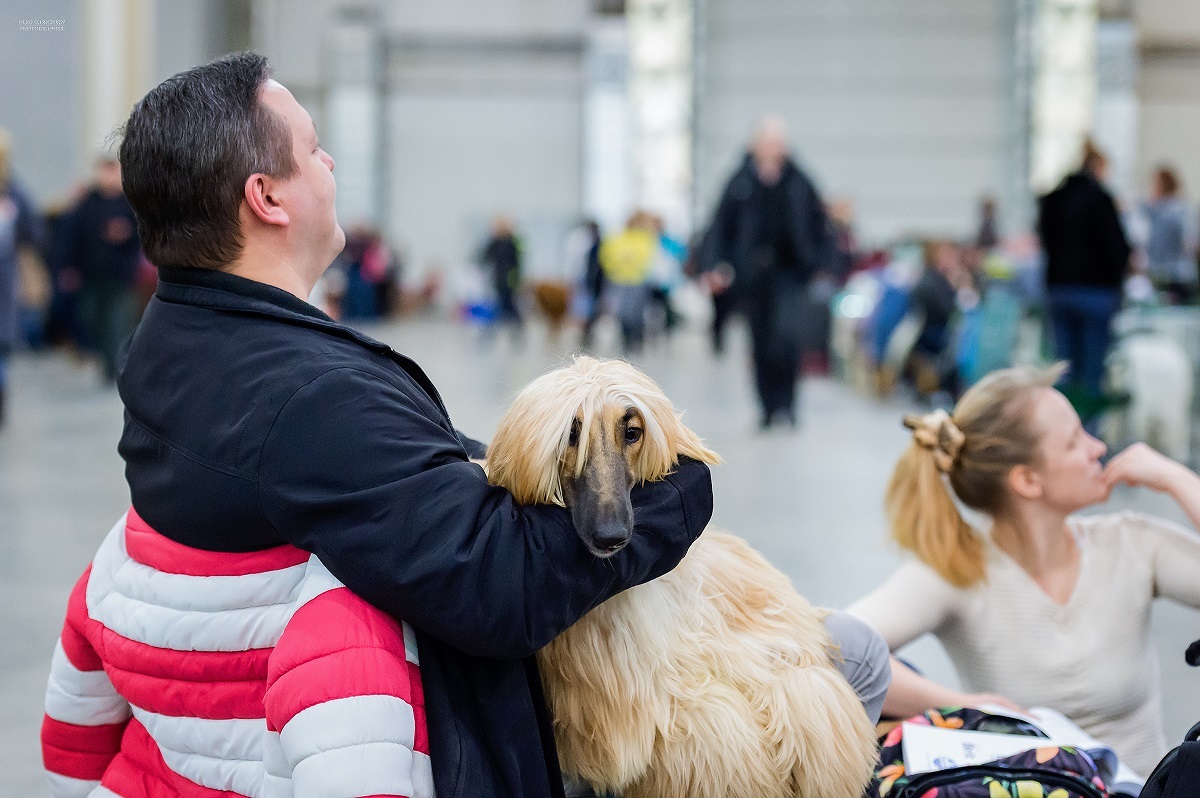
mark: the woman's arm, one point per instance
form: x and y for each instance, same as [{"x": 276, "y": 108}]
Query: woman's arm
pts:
[
  {"x": 1141, "y": 466},
  {"x": 1175, "y": 551},
  {"x": 911, "y": 694},
  {"x": 915, "y": 601},
  {"x": 912, "y": 602}
]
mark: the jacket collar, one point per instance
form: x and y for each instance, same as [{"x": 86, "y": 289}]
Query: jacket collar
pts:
[
  {"x": 218, "y": 290},
  {"x": 212, "y": 288}
]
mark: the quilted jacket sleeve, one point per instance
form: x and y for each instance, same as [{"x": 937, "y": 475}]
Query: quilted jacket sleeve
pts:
[
  {"x": 345, "y": 710},
  {"x": 85, "y": 716}
]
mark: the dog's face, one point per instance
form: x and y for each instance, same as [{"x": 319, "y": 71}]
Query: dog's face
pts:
[
  {"x": 596, "y": 491},
  {"x": 581, "y": 437}
]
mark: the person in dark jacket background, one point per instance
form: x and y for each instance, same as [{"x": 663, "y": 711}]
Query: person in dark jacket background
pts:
[
  {"x": 593, "y": 282},
  {"x": 502, "y": 257},
  {"x": 771, "y": 234},
  {"x": 253, "y": 420},
  {"x": 1087, "y": 259},
  {"x": 102, "y": 246},
  {"x": 20, "y": 227},
  {"x": 935, "y": 296}
]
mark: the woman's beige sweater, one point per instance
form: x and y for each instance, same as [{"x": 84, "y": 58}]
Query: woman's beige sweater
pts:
[{"x": 1090, "y": 658}]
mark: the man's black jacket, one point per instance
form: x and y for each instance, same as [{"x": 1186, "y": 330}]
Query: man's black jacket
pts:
[
  {"x": 739, "y": 219},
  {"x": 252, "y": 419}
]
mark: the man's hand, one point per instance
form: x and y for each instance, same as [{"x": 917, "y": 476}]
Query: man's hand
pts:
[{"x": 718, "y": 280}]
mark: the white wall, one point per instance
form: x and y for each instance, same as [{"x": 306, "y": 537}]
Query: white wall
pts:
[
  {"x": 1169, "y": 90},
  {"x": 483, "y": 108},
  {"x": 1168, "y": 20},
  {"x": 1169, "y": 117},
  {"x": 906, "y": 106},
  {"x": 42, "y": 96},
  {"x": 456, "y": 161}
]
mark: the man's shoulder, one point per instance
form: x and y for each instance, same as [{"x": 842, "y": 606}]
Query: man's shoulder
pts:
[{"x": 245, "y": 359}]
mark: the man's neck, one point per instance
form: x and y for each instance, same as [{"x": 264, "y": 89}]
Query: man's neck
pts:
[{"x": 265, "y": 265}]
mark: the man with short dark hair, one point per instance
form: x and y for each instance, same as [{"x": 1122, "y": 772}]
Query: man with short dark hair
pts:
[{"x": 253, "y": 420}]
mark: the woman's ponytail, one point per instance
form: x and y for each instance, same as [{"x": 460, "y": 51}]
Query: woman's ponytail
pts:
[{"x": 921, "y": 512}]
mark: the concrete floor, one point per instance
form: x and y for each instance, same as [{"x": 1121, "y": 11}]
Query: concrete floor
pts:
[{"x": 810, "y": 500}]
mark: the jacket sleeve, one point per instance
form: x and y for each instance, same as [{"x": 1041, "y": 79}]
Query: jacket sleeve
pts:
[
  {"x": 723, "y": 230},
  {"x": 1111, "y": 232},
  {"x": 476, "y": 450},
  {"x": 361, "y": 473},
  {"x": 31, "y": 230},
  {"x": 813, "y": 241},
  {"x": 85, "y": 716},
  {"x": 344, "y": 707},
  {"x": 912, "y": 602}
]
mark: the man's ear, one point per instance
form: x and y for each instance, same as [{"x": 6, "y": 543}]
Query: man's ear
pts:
[
  {"x": 262, "y": 201},
  {"x": 1025, "y": 482}
]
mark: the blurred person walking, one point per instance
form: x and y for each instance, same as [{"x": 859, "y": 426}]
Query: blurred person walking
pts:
[
  {"x": 1171, "y": 240},
  {"x": 717, "y": 279},
  {"x": 102, "y": 245},
  {"x": 771, "y": 230},
  {"x": 20, "y": 227},
  {"x": 370, "y": 273},
  {"x": 584, "y": 243},
  {"x": 987, "y": 237},
  {"x": 627, "y": 259},
  {"x": 259, "y": 431},
  {"x": 1087, "y": 259},
  {"x": 665, "y": 275},
  {"x": 502, "y": 257},
  {"x": 935, "y": 296},
  {"x": 63, "y": 327}
]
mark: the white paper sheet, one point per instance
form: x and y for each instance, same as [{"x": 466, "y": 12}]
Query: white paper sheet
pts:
[{"x": 928, "y": 748}]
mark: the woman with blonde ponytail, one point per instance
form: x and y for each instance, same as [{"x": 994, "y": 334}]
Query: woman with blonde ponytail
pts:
[{"x": 1045, "y": 608}]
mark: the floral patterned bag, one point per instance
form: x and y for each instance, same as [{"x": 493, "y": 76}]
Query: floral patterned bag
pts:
[{"x": 1041, "y": 772}]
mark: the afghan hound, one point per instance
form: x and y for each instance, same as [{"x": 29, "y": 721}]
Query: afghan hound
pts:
[{"x": 713, "y": 681}]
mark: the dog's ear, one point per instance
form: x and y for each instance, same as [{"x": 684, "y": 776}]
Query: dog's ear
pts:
[
  {"x": 666, "y": 437},
  {"x": 525, "y": 453}
]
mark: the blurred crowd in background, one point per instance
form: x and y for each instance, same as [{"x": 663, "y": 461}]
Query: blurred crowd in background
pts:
[{"x": 928, "y": 314}]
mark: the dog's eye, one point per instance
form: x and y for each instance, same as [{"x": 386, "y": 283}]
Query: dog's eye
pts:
[
  {"x": 573, "y": 440},
  {"x": 632, "y": 435}
]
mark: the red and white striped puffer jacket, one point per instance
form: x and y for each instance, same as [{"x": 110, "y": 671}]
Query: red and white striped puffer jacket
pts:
[{"x": 183, "y": 673}]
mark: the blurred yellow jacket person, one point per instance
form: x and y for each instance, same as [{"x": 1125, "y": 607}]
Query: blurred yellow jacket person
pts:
[{"x": 628, "y": 256}]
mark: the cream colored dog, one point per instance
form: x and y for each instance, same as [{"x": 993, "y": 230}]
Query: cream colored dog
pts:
[{"x": 713, "y": 681}]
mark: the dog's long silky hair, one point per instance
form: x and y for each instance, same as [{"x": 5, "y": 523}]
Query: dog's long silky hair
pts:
[
  {"x": 715, "y": 680},
  {"x": 533, "y": 435}
]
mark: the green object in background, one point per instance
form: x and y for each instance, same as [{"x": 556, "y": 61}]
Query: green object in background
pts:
[{"x": 1089, "y": 406}]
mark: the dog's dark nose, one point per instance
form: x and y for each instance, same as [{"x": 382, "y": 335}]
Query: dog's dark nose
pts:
[{"x": 611, "y": 538}]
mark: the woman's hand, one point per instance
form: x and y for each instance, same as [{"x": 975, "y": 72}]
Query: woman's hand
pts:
[
  {"x": 977, "y": 700},
  {"x": 1142, "y": 467}
]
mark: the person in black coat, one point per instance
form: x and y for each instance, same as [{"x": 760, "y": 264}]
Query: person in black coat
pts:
[
  {"x": 102, "y": 246},
  {"x": 1087, "y": 259},
  {"x": 770, "y": 234},
  {"x": 253, "y": 420},
  {"x": 502, "y": 257},
  {"x": 20, "y": 226},
  {"x": 935, "y": 297},
  {"x": 593, "y": 282}
]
